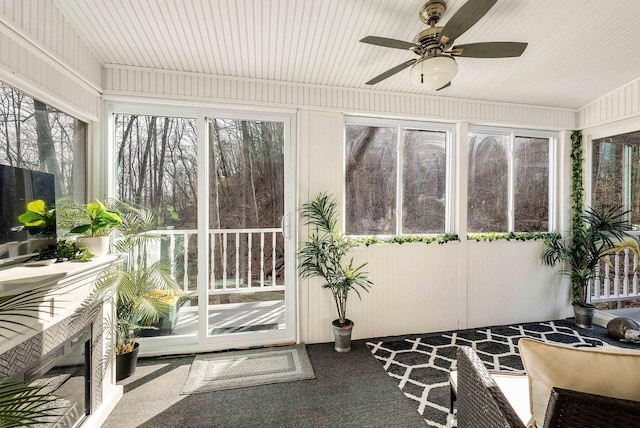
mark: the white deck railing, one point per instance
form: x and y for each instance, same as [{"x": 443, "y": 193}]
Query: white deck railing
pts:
[
  {"x": 240, "y": 260},
  {"x": 617, "y": 279}
]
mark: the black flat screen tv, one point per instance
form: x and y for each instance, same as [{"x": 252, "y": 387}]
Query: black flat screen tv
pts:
[{"x": 18, "y": 187}]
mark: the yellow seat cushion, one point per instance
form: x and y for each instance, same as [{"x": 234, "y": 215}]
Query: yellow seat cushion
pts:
[
  {"x": 608, "y": 371},
  {"x": 170, "y": 297}
]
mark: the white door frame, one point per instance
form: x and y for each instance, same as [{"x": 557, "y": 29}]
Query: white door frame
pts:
[{"x": 164, "y": 345}]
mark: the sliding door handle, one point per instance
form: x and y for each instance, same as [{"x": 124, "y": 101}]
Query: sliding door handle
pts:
[{"x": 284, "y": 224}]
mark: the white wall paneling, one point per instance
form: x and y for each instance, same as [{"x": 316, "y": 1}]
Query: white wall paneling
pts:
[
  {"x": 507, "y": 283},
  {"x": 42, "y": 56},
  {"x": 151, "y": 83},
  {"x": 620, "y": 104},
  {"x": 417, "y": 287}
]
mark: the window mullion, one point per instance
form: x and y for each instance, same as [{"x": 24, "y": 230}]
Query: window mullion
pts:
[
  {"x": 512, "y": 184},
  {"x": 399, "y": 186},
  {"x": 626, "y": 178}
]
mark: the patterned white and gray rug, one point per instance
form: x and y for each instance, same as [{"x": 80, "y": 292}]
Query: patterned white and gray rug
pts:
[
  {"x": 420, "y": 365},
  {"x": 229, "y": 370}
]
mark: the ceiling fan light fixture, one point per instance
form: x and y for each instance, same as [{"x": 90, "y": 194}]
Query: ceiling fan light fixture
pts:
[{"x": 434, "y": 72}]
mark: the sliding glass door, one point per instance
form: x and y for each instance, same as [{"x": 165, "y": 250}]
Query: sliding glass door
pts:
[{"x": 221, "y": 190}]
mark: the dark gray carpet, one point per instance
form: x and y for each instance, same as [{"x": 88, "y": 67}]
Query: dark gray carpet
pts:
[{"x": 350, "y": 390}]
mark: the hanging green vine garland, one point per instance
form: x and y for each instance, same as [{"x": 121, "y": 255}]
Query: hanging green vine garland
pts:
[
  {"x": 577, "y": 191},
  {"x": 404, "y": 239},
  {"x": 508, "y": 236}
]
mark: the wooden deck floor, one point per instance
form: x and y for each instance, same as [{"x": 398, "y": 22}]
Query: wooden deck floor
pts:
[{"x": 232, "y": 317}]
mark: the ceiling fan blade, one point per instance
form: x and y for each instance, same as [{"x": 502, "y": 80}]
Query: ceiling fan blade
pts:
[
  {"x": 464, "y": 18},
  {"x": 391, "y": 72},
  {"x": 445, "y": 86},
  {"x": 489, "y": 50},
  {"x": 388, "y": 43}
]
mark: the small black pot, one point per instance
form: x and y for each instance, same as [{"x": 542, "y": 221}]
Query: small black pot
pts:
[{"x": 126, "y": 363}]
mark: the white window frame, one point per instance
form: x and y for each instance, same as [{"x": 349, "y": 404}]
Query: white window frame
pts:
[
  {"x": 626, "y": 163},
  {"x": 512, "y": 133},
  {"x": 401, "y": 124}
]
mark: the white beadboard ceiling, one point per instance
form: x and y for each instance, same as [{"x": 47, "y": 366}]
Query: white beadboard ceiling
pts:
[{"x": 578, "y": 50}]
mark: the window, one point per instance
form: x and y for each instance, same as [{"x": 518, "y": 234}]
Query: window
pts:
[
  {"x": 36, "y": 136},
  {"x": 156, "y": 158},
  {"x": 616, "y": 174},
  {"x": 509, "y": 181},
  {"x": 396, "y": 177}
]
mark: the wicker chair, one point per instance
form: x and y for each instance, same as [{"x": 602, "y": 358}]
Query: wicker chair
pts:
[{"x": 481, "y": 403}]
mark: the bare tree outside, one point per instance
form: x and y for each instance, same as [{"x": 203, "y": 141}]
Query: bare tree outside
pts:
[
  {"x": 36, "y": 136},
  {"x": 424, "y": 186},
  {"x": 375, "y": 155},
  {"x": 488, "y": 197},
  {"x": 616, "y": 174},
  {"x": 157, "y": 164},
  {"x": 371, "y": 180},
  {"x": 490, "y": 177},
  {"x": 531, "y": 192}
]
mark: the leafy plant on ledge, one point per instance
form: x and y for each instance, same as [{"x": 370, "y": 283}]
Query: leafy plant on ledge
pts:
[
  {"x": 511, "y": 236},
  {"x": 602, "y": 233},
  {"x": 39, "y": 219},
  {"x": 100, "y": 220}
]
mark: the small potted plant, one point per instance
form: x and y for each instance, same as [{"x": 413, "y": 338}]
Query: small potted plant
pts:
[
  {"x": 602, "y": 233},
  {"x": 40, "y": 221},
  {"x": 95, "y": 232},
  {"x": 323, "y": 256}
]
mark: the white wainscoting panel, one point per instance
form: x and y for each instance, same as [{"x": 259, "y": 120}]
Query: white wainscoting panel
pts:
[
  {"x": 507, "y": 283},
  {"x": 320, "y": 169},
  {"x": 122, "y": 81},
  {"x": 414, "y": 291},
  {"x": 43, "y": 56},
  {"x": 622, "y": 103}
]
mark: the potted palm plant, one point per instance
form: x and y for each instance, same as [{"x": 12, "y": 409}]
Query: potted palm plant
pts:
[
  {"x": 138, "y": 288},
  {"x": 323, "y": 255},
  {"x": 96, "y": 228},
  {"x": 602, "y": 233}
]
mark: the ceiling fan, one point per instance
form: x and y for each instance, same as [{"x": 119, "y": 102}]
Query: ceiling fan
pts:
[{"x": 436, "y": 66}]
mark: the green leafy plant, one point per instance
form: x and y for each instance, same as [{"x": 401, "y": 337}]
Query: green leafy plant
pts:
[
  {"x": 577, "y": 191},
  {"x": 22, "y": 405},
  {"x": 136, "y": 287},
  {"x": 101, "y": 220},
  {"x": 39, "y": 219},
  {"x": 407, "y": 239},
  {"x": 69, "y": 250},
  {"x": 602, "y": 233},
  {"x": 511, "y": 236},
  {"x": 324, "y": 253}
]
